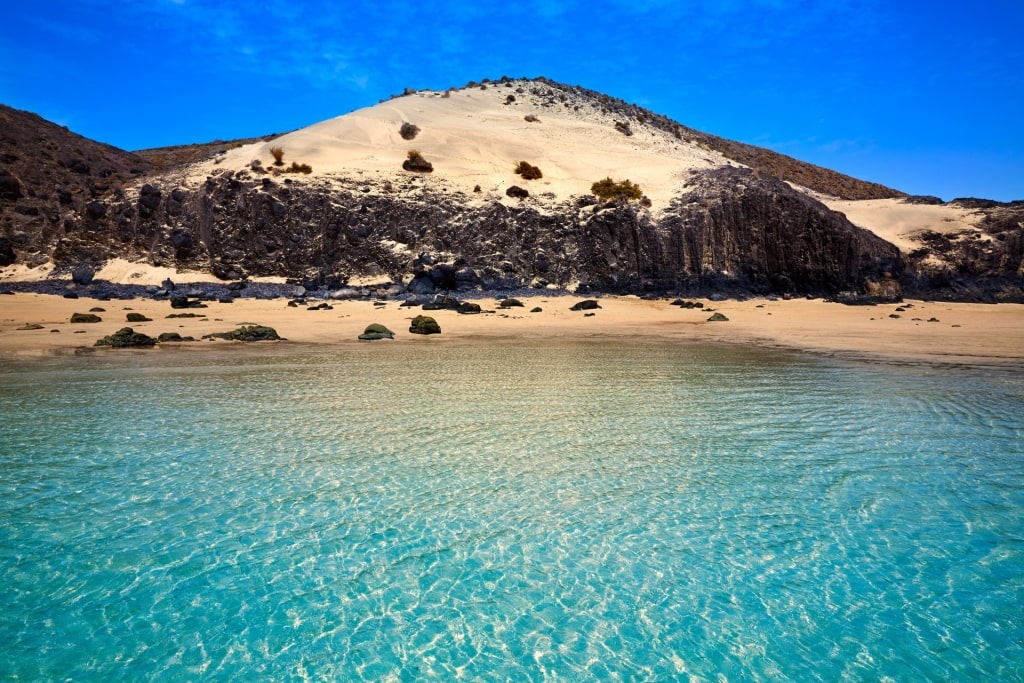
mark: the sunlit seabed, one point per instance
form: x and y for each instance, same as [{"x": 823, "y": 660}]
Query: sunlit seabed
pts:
[{"x": 509, "y": 511}]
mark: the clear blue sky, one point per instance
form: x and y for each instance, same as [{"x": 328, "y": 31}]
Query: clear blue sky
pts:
[{"x": 924, "y": 97}]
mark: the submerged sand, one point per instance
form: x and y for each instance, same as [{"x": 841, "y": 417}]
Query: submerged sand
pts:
[{"x": 977, "y": 334}]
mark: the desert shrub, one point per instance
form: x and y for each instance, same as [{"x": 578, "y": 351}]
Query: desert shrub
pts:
[
  {"x": 278, "y": 154},
  {"x": 416, "y": 162},
  {"x": 623, "y": 128},
  {"x": 608, "y": 189},
  {"x": 528, "y": 171},
  {"x": 408, "y": 131},
  {"x": 299, "y": 168}
]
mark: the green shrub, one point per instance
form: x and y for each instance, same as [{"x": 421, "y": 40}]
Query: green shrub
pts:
[
  {"x": 528, "y": 171},
  {"x": 608, "y": 189}
]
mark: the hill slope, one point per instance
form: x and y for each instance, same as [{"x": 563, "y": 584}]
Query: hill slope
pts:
[{"x": 716, "y": 214}]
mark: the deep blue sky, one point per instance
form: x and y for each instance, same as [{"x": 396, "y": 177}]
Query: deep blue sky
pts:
[{"x": 927, "y": 97}]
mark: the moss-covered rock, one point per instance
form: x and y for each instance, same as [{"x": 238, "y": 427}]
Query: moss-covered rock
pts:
[
  {"x": 247, "y": 333},
  {"x": 424, "y": 324},
  {"x": 126, "y": 337},
  {"x": 375, "y": 331},
  {"x": 717, "y": 318},
  {"x": 173, "y": 337},
  {"x": 31, "y": 326},
  {"x": 85, "y": 318},
  {"x": 138, "y": 318}
]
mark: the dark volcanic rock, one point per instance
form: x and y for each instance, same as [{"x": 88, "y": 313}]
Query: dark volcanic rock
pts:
[
  {"x": 126, "y": 337},
  {"x": 83, "y": 275},
  {"x": 517, "y": 192},
  {"x": 85, "y": 318},
  {"x": 137, "y": 318},
  {"x": 585, "y": 305},
  {"x": 7, "y": 255}
]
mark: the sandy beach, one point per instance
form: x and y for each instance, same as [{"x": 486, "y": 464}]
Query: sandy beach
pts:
[{"x": 975, "y": 334}]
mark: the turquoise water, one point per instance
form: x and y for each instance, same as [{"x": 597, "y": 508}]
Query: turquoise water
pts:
[{"x": 534, "y": 512}]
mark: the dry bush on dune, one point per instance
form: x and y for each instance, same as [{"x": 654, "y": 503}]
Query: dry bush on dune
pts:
[
  {"x": 528, "y": 171},
  {"x": 278, "y": 154},
  {"x": 416, "y": 162},
  {"x": 608, "y": 189},
  {"x": 408, "y": 131}
]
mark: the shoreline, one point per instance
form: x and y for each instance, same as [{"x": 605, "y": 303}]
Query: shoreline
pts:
[{"x": 930, "y": 332}]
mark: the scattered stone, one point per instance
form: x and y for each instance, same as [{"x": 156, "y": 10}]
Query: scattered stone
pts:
[
  {"x": 517, "y": 192},
  {"x": 185, "y": 302},
  {"x": 97, "y": 309},
  {"x": 717, "y": 318},
  {"x": 126, "y": 337},
  {"x": 589, "y": 315},
  {"x": 85, "y": 318},
  {"x": 894, "y": 315},
  {"x": 933, "y": 320},
  {"x": 138, "y": 318},
  {"x": 424, "y": 324},
  {"x": 536, "y": 309},
  {"x": 70, "y": 295},
  {"x": 187, "y": 315},
  {"x": 509, "y": 303},
  {"x": 30, "y": 326},
  {"x": 442, "y": 302},
  {"x": 585, "y": 305},
  {"x": 375, "y": 331},
  {"x": 321, "y": 307},
  {"x": 467, "y": 307}
]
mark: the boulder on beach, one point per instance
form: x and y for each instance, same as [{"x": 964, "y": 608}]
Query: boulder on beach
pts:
[
  {"x": 585, "y": 305},
  {"x": 126, "y": 337},
  {"x": 138, "y": 318},
  {"x": 717, "y": 317},
  {"x": 424, "y": 324},
  {"x": 247, "y": 333},
  {"x": 467, "y": 307},
  {"x": 375, "y": 331},
  {"x": 85, "y": 318},
  {"x": 173, "y": 337},
  {"x": 509, "y": 303}
]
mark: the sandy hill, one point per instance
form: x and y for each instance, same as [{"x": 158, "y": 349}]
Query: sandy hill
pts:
[{"x": 716, "y": 214}]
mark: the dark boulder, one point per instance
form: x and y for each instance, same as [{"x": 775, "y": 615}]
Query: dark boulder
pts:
[
  {"x": 173, "y": 337},
  {"x": 517, "y": 192},
  {"x": 509, "y": 303},
  {"x": 424, "y": 324},
  {"x": 417, "y": 164},
  {"x": 138, "y": 318},
  {"x": 10, "y": 186},
  {"x": 468, "y": 307},
  {"x": 7, "y": 255},
  {"x": 443, "y": 302},
  {"x": 717, "y": 318},
  {"x": 83, "y": 275},
  {"x": 126, "y": 337},
  {"x": 95, "y": 210},
  {"x": 421, "y": 284},
  {"x": 85, "y": 318},
  {"x": 149, "y": 199},
  {"x": 585, "y": 305}
]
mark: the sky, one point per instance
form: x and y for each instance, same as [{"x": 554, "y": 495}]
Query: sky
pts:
[{"x": 927, "y": 98}]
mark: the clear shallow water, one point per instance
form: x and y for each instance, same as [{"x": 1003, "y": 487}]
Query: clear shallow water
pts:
[{"x": 511, "y": 512}]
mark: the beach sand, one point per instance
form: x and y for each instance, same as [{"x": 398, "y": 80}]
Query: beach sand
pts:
[{"x": 975, "y": 334}]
